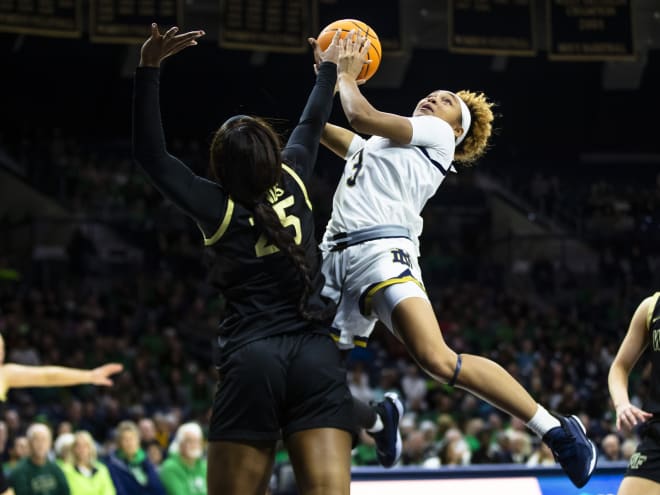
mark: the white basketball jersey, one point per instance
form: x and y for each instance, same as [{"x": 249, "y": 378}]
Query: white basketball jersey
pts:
[{"x": 389, "y": 183}]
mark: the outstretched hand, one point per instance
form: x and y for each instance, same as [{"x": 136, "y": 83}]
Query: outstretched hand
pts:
[
  {"x": 628, "y": 416},
  {"x": 160, "y": 46},
  {"x": 353, "y": 54},
  {"x": 331, "y": 53},
  {"x": 101, "y": 375}
]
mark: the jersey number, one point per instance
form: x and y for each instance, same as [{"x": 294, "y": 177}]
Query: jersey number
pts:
[
  {"x": 262, "y": 248},
  {"x": 357, "y": 166}
]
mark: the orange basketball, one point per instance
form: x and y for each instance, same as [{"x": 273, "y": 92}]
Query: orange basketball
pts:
[{"x": 346, "y": 25}]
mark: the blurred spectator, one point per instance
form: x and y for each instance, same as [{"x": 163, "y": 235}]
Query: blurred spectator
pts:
[
  {"x": 62, "y": 448},
  {"x": 131, "y": 472},
  {"x": 154, "y": 453},
  {"x": 85, "y": 474},
  {"x": 184, "y": 470},
  {"x": 358, "y": 382},
  {"x": 413, "y": 385},
  {"x": 610, "y": 447},
  {"x": 541, "y": 456},
  {"x": 37, "y": 475},
  {"x": 147, "y": 429},
  {"x": 18, "y": 450},
  {"x": 628, "y": 448}
]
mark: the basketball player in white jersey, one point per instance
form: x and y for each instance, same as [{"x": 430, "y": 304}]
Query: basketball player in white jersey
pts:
[{"x": 371, "y": 245}]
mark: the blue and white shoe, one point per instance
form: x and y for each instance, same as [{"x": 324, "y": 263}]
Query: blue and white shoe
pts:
[
  {"x": 576, "y": 454},
  {"x": 388, "y": 440}
]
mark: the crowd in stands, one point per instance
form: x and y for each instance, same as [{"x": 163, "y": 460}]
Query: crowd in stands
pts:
[{"x": 157, "y": 319}]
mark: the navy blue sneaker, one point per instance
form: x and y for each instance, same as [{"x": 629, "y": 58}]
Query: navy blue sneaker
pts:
[
  {"x": 388, "y": 440},
  {"x": 576, "y": 454}
]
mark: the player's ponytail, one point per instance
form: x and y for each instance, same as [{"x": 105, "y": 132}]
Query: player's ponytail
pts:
[
  {"x": 246, "y": 161},
  {"x": 267, "y": 220}
]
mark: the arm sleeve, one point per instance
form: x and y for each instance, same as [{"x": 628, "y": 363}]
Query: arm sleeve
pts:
[
  {"x": 303, "y": 145},
  {"x": 201, "y": 199},
  {"x": 356, "y": 145},
  {"x": 432, "y": 132}
]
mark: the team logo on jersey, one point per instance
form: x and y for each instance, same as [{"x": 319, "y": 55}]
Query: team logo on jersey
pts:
[
  {"x": 656, "y": 340},
  {"x": 637, "y": 460},
  {"x": 401, "y": 256},
  {"x": 274, "y": 193}
]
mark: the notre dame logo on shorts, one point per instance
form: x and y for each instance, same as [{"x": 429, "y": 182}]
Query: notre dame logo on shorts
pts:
[
  {"x": 637, "y": 460},
  {"x": 400, "y": 256}
]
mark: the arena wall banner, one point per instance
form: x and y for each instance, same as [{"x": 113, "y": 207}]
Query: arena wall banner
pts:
[
  {"x": 266, "y": 25},
  {"x": 128, "y": 21},
  {"x": 590, "y": 30},
  {"x": 56, "y": 18},
  {"x": 492, "y": 27}
]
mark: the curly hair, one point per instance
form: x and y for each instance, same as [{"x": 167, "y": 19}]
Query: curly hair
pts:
[{"x": 475, "y": 143}]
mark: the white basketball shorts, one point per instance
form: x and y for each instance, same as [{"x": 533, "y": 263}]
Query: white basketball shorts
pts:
[{"x": 357, "y": 279}]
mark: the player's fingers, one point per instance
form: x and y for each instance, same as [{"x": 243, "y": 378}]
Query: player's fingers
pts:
[
  {"x": 365, "y": 48},
  {"x": 185, "y": 37},
  {"x": 171, "y": 32},
  {"x": 336, "y": 37},
  {"x": 114, "y": 368},
  {"x": 154, "y": 30},
  {"x": 360, "y": 82}
]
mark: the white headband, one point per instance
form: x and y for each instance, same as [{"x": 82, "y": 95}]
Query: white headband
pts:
[{"x": 466, "y": 118}]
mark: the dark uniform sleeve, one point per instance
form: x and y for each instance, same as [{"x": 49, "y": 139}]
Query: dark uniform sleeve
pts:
[
  {"x": 200, "y": 198},
  {"x": 303, "y": 145}
]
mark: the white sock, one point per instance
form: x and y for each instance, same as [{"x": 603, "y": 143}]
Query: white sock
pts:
[
  {"x": 542, "y": 422},
  {"x": 378, "y": 425}
]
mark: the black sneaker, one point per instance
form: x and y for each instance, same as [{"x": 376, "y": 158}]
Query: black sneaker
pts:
[
  {"x": 388, "y": 440},
  {"x": 576, "y": 454}
]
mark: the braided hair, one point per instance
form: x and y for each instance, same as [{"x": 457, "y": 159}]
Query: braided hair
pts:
[{"x": 246, "y": 159}]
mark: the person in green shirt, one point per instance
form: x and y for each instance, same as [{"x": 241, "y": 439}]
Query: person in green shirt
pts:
[
  {"x": 85, "y": 474},
  {"x": 184, "y": 470},
  {"x": 37, "y": 475}
]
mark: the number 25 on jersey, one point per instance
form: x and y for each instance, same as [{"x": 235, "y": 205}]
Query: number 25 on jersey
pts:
[{"x": 262, "y": 248}]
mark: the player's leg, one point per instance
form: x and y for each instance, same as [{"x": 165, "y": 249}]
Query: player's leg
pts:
[
  {"x": 321, "y": 460},
  {"x": 633, "y": 485},
  {"x": 239, "y": 468},
  {"x": 643, "y": 474},
  {"x": 318, "y": 424},
  {"x": 413, "y": 321},
  {"x": 245, "y": 421}
]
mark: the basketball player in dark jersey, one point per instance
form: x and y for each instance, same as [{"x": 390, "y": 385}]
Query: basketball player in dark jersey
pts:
[
  {"x": 643, "y": 474},
  {"x": 279, "y": 368}
]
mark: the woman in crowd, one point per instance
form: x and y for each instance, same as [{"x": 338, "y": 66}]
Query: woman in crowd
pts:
[{"x": 84, "y": 473}]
